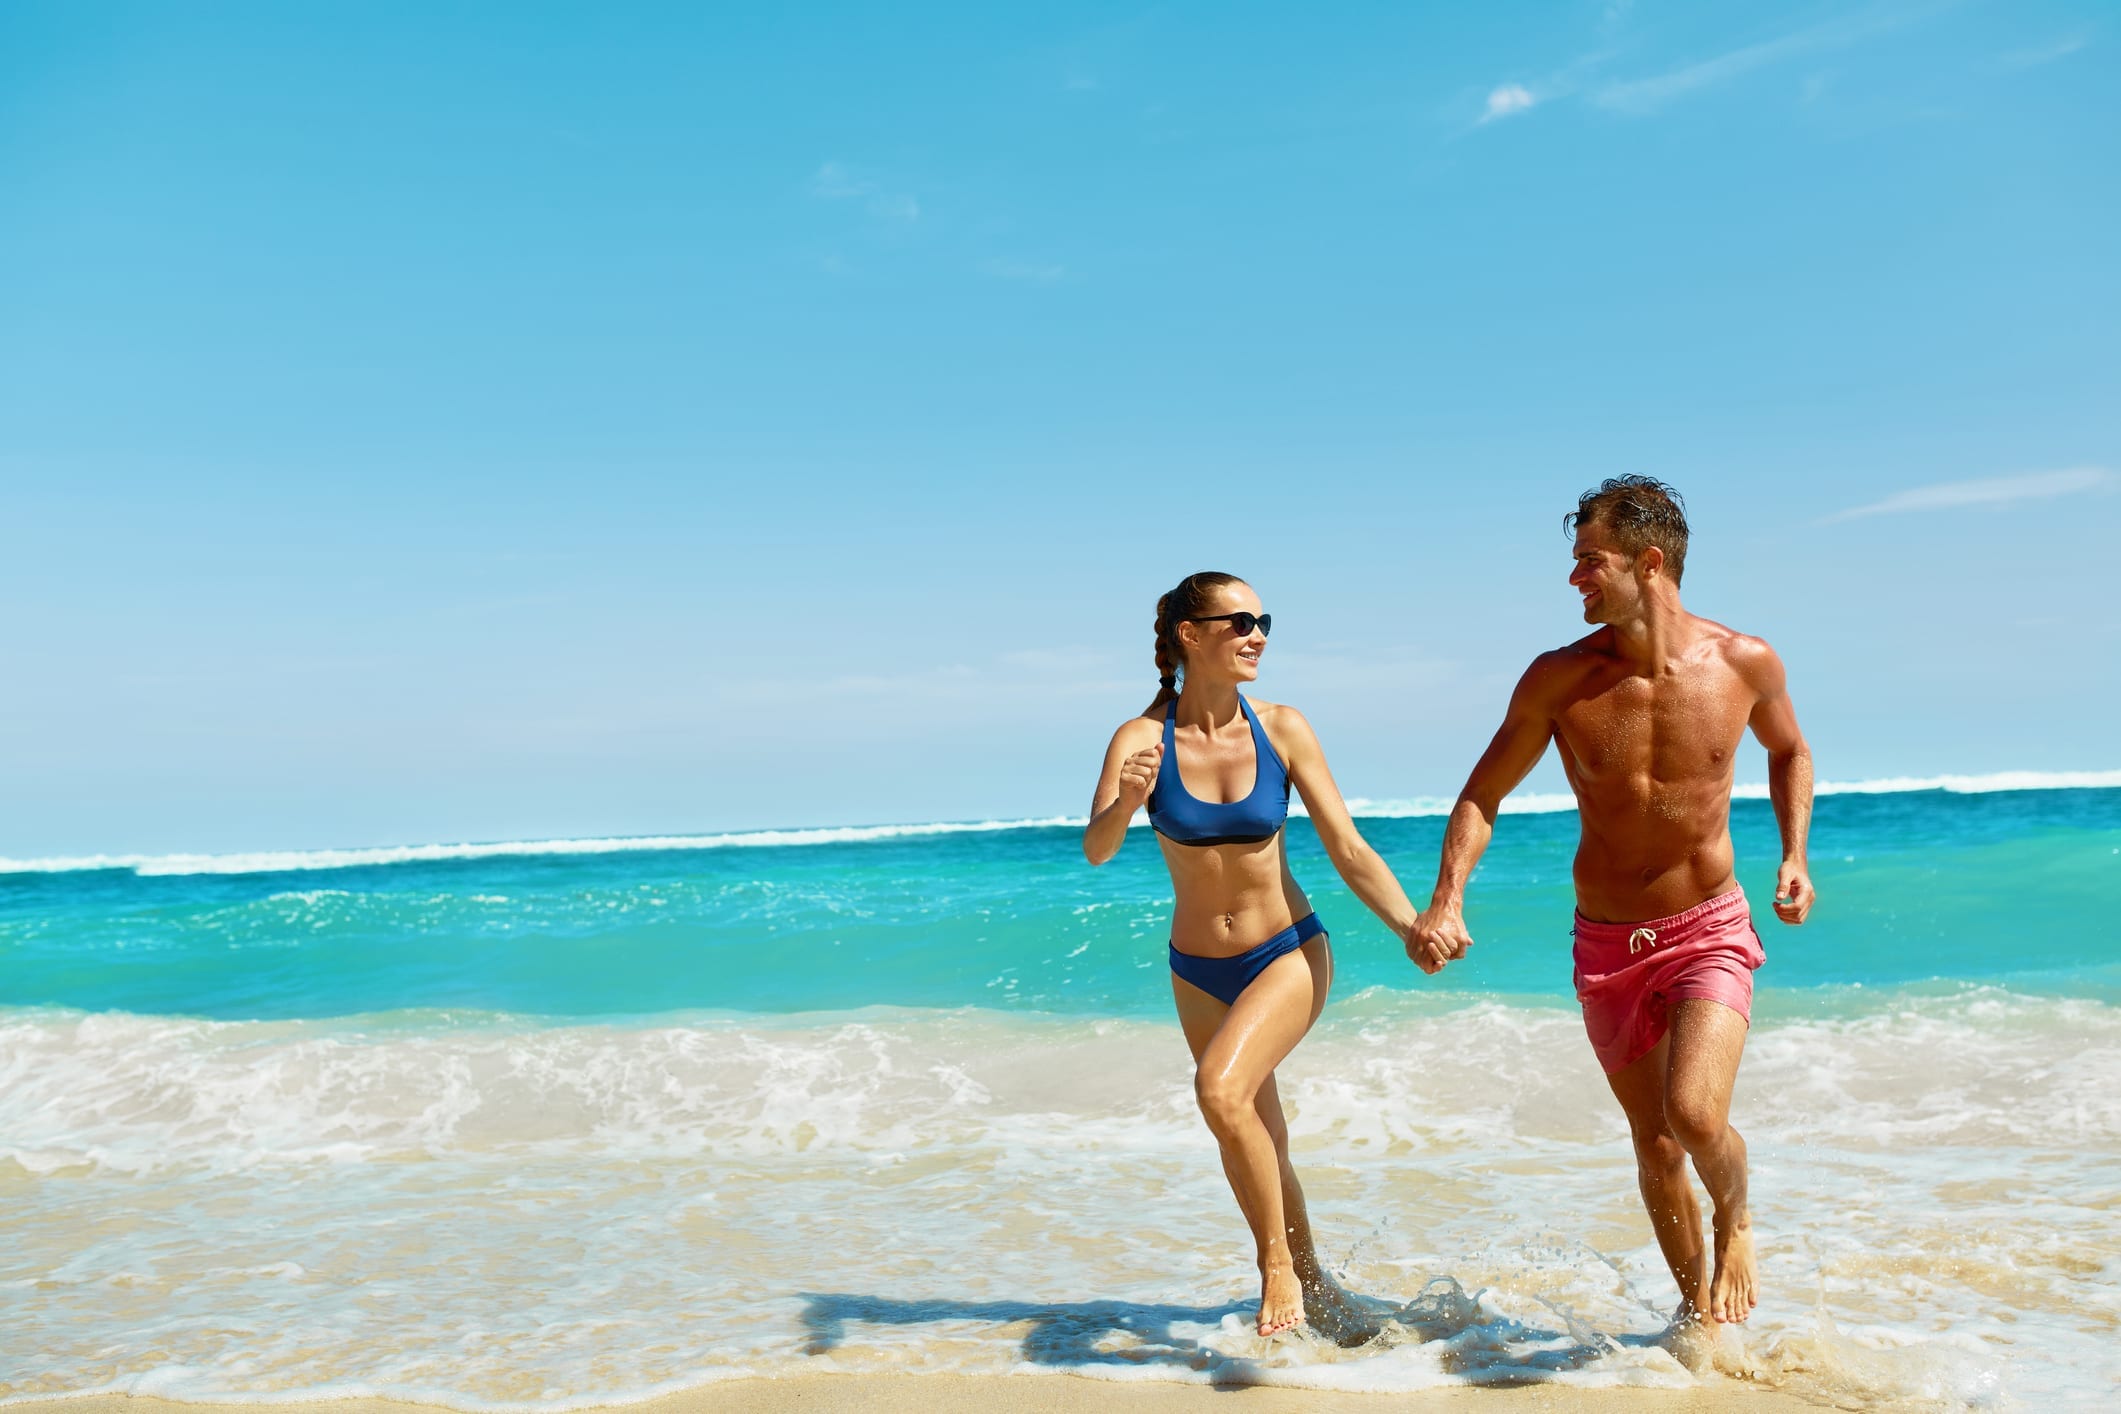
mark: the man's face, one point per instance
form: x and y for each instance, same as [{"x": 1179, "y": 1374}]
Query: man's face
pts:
[{"x": 1605, "y": 576}]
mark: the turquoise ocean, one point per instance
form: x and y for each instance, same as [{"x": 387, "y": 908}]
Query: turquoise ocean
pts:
[{"x": 565, "y": 1122}]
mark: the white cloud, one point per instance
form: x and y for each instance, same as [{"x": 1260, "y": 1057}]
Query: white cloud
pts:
[
  {"x": 1990, "y": 491},
  {"x": 2046, "y": 53},
  {"x": 834, "y": 182},
  {"x": 1507, "y": 99},
  {"x": 1649, "y": 94},
  {"x": 895, "y": 206}
]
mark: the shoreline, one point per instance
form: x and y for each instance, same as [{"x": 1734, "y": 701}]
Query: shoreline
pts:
[{"x": 1005, "y": 1394}]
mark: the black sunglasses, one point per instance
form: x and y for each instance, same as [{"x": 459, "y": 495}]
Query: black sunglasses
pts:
[{"x": 1242, "y": 622}]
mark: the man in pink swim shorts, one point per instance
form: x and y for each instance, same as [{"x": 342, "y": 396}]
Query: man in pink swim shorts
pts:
[
  {"x": 1630, "y": 976},
  {"x": 1648, "y": 712}
]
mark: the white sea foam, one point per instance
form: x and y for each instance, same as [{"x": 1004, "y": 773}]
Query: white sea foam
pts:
[
  {"x": 1963, "y": 785},
  {"x": 504, "y": 1214},
  {"x": 283, "y": 861},
  {"x": 1531, "y": 803}
]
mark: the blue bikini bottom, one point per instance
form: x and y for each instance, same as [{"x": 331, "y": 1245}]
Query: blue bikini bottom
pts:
[{"x": 1223, "y": 978}]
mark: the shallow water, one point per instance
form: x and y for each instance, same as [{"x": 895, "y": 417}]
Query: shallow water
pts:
[
  {"x": 264, "y": 1134},
  {"x": 483, "y": 1211}
]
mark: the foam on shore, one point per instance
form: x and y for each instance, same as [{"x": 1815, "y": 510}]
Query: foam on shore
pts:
[{"x": 490, "y": 1212}]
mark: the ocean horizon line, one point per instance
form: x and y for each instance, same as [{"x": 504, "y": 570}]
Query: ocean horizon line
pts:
[{"x": 1530, "y": 803}]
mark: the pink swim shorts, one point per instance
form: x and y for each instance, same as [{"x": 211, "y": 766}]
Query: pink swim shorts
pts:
[{"x": 1629, "y": 974}]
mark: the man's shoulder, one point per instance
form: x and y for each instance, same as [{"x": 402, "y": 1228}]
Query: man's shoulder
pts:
[
  {"x": 1586, "y": 654},
  {"x": 1741, "y": 650},
  {"x": 1558, "y": 669},
  {"x": 1751, "y": 658}
]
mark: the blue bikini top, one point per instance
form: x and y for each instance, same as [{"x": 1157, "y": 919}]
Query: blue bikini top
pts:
[{"x": 1183, "y": 819}]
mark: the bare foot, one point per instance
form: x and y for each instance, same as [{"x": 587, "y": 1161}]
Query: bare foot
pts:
[
  {"x": 1691, "y": 1338},
  {"x": 1735, "y": 1288},
  {"x": 1336, "y": 1315},
  {"x": 1281, "y": 1300}
]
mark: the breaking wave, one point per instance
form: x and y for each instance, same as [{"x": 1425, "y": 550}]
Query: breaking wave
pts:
[{"x": 293, "y": 861}]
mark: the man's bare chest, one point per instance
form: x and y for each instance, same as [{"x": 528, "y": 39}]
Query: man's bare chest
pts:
[{"x": 1677, "y": 726}]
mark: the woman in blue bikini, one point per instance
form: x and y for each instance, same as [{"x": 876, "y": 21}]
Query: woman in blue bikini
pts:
[{"x": 1215, "y": 772}]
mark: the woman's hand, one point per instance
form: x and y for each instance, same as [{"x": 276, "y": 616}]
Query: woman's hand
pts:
[
  {"x": 1137, "y": 776},
  {"x": 1123, "y": 786},
  {"x": 1438, "y": 936}
]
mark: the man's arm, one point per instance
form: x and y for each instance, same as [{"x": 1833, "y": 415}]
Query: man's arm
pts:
[
  {"x": 1774, "y": 723},
  {"x": 1439, "y": 933}
]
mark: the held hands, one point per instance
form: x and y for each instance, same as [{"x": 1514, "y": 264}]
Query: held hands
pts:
[
  {"x": 1436, "y": 936},
  {"x": 1137, "y": 776},
  {"x": 1793, "y": 891}
]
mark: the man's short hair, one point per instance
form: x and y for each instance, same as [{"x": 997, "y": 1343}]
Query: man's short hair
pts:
[{"x": 1639, "y": 511}]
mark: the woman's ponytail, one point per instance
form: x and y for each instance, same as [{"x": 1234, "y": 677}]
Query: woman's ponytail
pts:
[{"x": 1189, "y": 600}]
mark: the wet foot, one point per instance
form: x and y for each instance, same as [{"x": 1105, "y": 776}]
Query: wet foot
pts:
[
  {"x": 1691, "y": 1338},
  {"x": 1281, "y": 1300},
  {"x": 1336, "y": 1315},
  {"x": 1735, "y": 1288}
]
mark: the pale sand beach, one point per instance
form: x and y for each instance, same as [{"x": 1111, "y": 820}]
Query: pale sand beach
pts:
[{"x": 960, "y": 1394}]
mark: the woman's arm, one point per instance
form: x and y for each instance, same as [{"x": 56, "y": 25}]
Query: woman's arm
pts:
[
  {"x": 1131, "y": 763},
  {"x": 1360, "y": 866}
]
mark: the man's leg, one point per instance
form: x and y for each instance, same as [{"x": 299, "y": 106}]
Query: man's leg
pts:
[
  {"x": 1660, "y": 1170},
  {"x": 1706, "y": 1040}
]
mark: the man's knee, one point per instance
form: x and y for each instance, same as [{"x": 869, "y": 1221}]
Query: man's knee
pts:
[
  {"x": 1696, "y": 1120},
  {"x": 1657, "y": 1153}
]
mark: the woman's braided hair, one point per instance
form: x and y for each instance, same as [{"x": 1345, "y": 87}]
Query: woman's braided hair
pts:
[{"x": 1191, "y": 598}]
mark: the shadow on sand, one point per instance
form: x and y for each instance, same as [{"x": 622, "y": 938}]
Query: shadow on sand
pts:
[{"x": 1471, "y": 1343}]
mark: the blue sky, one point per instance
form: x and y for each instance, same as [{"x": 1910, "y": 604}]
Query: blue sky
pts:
[{"x": 501, "y": 421}]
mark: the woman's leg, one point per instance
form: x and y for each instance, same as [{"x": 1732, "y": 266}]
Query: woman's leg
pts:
[
  {"x": 1235, "y": 1049},
  {"x": 1329, "y": 1310}
]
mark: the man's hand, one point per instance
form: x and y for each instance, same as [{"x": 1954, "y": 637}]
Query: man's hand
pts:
[
  {"x": 1793, "y": 891},
  {"x": 1137, "y": 776},
  {"x": 1437, "y": 936}
]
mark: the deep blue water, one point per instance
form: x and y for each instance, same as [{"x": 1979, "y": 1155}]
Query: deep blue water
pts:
[{"x": 2020, "y": 887}]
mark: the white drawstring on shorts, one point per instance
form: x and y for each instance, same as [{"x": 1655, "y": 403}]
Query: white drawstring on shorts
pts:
[{"x": 1640, "y": 936}]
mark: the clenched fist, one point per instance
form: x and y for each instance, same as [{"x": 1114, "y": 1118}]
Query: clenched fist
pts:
[{"x": 1137, "y": 775}]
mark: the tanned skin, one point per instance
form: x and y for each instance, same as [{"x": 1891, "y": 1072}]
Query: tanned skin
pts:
[
  {"x": 1647, "y": 713},
  {"x": 1229, "y": 898}
]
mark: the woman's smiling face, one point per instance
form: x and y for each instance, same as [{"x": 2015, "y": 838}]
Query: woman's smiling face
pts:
[{"x": 1213, "y": 646}]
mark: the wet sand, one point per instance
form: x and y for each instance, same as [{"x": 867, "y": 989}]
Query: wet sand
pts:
[{"x": 960, "y": 1394}]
